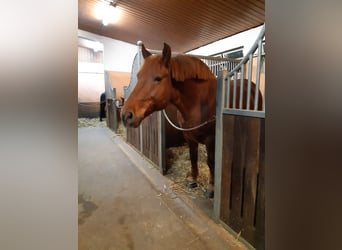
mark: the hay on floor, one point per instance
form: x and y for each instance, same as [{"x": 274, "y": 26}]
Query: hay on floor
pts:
[
  {"x": 91, "y": 123},
  {"x": 178, "y": 162}
]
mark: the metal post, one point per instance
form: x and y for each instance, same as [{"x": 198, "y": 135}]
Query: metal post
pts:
[
  {"x": 234, "y": 89},
  {"x": 227, "y": 86},
  {"x": 250, "y": 69},
  {"x": 140, "y": 61},
  {"x": 242, "y": 76},
  {"x": 220, "y": 93},
  {"x": 256, "y": 98}
]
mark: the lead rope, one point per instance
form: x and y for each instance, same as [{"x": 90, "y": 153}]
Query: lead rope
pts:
[{"x": 186, "y": 129}]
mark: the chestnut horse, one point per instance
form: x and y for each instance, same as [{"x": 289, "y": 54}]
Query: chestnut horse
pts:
[{"x": 186, "y": 82}]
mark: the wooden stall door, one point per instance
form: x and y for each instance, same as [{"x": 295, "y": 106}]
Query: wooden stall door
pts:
[
  {"x": 242, "y": 183},
  {"x": 112, "y": 115},
  {"x": 133, "y": 137},
  {"x": 150, "y": 137}
]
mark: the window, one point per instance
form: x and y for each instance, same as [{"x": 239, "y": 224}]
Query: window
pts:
[{"x": 236, "y": 53}]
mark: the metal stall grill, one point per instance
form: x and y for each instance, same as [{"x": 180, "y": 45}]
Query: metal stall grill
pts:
[{"x": 239, "y": 202}]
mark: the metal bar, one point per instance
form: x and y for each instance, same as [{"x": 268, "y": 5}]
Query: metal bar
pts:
[
  {"x": 227, "y": 92},
  {"x": 234, "y": 89},
  {"x": 108, "y": 86},
  {"x": 250, "y": 66},
  {"x": 243, "y": 112},
  {"x": 253, "y": 48},
  {"x": 114, "y": 93},
  {"x": 115, "y": 115},
  {"x": 256, "y": 98},
  {"x": 140, "y": 61},
  {"x": 139, "y": 49},
  {"x": 219, "y": 59},
  {"x": 216, "y": 68},
  {"x": 220, "y": 93},
  {"x": 242, "y": 73}
]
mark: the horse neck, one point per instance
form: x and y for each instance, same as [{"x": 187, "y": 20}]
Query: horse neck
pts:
[{"x": 191, "y": 97}]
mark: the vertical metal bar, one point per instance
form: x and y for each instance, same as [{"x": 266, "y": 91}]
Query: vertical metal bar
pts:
[
  {"x": 140, "y": 61},
  {"x": 242, "y": 76},
  {"x": 139, "y": 49},
  {"x": 220, "y": 94},
  {"x": 108, "y": 86},
  {"x": 113, "y": 123},
  {"x": 250, "y": 65},
  {"x": 217, "y": 68},
  {"x": 234, "y": 89},
  {"x": 256, "y": 98},
  {"x": 114, "y": 93},
  {"x": 228, "y": 93}
]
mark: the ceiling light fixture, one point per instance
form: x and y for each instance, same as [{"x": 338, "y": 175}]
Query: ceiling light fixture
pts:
[{"x": 108, "y": 12}]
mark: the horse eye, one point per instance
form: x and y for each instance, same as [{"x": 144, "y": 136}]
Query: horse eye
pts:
[{"x": 157, "y": 79}]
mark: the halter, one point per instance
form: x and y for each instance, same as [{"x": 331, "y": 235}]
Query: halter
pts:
[{"x": 187, "y": 129}]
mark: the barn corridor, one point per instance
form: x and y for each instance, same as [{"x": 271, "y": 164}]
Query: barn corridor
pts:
[{"x": 124, "y": 203}]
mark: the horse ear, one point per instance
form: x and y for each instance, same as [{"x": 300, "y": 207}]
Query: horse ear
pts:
[
  {"x": 144, "y": 51},
  {"x": 166, "y": 55}
]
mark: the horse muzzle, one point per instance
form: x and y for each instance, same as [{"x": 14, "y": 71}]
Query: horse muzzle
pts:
[{"x": 129, "y": 119}]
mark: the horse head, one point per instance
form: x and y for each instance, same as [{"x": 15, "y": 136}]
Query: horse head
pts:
[{"x": 153, "y": 90}]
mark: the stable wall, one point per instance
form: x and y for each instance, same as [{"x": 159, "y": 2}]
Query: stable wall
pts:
[
  {"x": 118, "y": 80},
  {"x": 117, "y": 55}
]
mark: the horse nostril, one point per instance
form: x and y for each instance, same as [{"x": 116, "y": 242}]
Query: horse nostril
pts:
[{"x": 127, "y": 117}]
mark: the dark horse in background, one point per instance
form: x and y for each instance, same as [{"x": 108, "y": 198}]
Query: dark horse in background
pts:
[
  {"x": 186, "y": 82},
  {"x": 102, "y": 106}
]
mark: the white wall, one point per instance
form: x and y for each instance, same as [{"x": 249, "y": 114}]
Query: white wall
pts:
[
  {"x": 246, "y": 39},
  {"x": 90, "y": 81},
  {"x": 117, "y": 55}
]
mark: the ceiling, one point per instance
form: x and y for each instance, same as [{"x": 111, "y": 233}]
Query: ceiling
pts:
[{"x": 184, "y": 25}]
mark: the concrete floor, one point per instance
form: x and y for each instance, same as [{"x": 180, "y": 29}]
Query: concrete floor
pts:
[{"x": 124, "y": 203}]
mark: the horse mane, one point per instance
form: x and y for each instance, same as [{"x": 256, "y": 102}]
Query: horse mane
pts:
[{"x": 184, "y": 67}]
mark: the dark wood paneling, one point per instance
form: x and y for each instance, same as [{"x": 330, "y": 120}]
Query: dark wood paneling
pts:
[
  {"x": 242, "y": 183},
  {"x": 237, "y": 173},
  {"x": 151, "y": 131},
  {"x": 251, "y": 174},
  {"x": 227, "y": 148},
  {"x": 133, "y": 137},
  {"x": 112, "y": 115},
  {"x": 173, "y": 137},
  {"x": 260, "y": 206}
]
